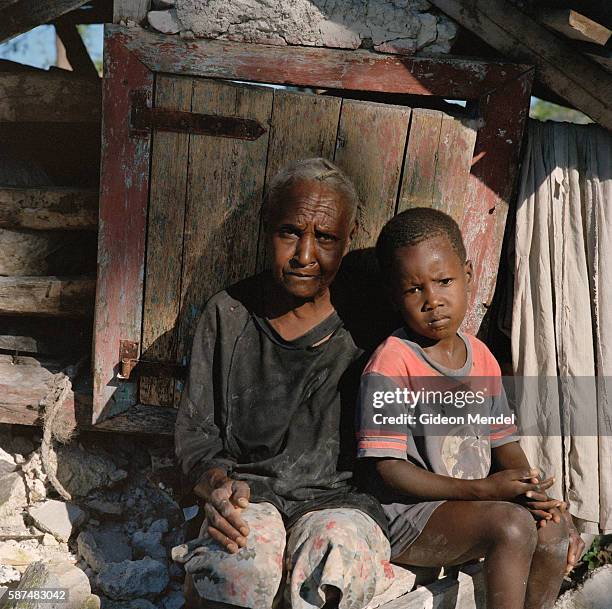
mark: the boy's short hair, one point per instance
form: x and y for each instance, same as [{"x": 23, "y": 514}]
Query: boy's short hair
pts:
[{"x": 412, "y": 227}]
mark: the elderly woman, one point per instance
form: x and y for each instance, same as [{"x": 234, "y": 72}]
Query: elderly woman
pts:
[{"x": 258, "y": 432}]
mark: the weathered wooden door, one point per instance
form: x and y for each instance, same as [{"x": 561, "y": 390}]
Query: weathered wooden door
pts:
[{"x": 182, "y": 192}]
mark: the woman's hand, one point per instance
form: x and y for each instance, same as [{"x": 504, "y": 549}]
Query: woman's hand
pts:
[
  {"x": 509, "y": 484},
  {"x": 224, "y": 500}
]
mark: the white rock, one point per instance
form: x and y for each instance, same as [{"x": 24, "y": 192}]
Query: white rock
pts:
[
  {"x": 48, "y": 540},
  {"x": 595, "y": 593},
  {"x": 33, "y": 468},
  {"x": 7, "y": 463},
  {"x": 133, "y": 579},
  {"x": 8, "y": 575},
  {"x": 12, "y": 495},
  {"x": 37, "y": 491},
  {"x": 165, "y": 22},
  {"x": 57, "y": 518}
]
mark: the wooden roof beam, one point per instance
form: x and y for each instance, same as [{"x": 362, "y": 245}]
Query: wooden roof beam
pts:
[
  {"x": 574, "y": 25},
  {"x": 22, "y": 15},
  {"x": 49, "y": 97},
  {"x": 585, "y": 85}
]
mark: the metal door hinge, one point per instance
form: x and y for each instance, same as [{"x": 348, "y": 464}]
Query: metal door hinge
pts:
[
  {"x": 131, "y": 367},
  {"x": 144, "y": 119}
]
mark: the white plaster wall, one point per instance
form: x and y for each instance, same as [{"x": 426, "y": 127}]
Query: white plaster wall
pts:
[{"x": 393, "y": 26}]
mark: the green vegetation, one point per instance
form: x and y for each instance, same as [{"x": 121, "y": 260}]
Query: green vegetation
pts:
[{"x": 547, "y": 111}]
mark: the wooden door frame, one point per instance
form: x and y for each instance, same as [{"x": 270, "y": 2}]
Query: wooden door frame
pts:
[{"x": 132, "y": 56}]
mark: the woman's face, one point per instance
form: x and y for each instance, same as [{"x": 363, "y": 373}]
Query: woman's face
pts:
[{"x": 309, "y": 232}]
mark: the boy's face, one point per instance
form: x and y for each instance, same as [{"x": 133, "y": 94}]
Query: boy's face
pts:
[{"x": 429, "y": 286}]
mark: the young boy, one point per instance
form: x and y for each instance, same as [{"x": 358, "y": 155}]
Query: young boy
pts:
[{"x": 453, "y": 493}]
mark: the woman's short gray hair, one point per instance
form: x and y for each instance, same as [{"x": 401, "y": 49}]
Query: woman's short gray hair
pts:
[{"x": 312, "y": 170}]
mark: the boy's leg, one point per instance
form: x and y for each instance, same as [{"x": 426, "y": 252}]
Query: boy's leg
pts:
[
  {"x": 547, "y": 566},
  {"x": 504, "y": 533},
  {"x": 250, "y": 578}
]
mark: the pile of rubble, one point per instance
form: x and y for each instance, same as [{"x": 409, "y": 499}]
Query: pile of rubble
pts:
[{"x": 117, "y": 530}]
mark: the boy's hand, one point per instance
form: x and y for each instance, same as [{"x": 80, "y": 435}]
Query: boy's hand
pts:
[
  {"x": 224, "y": 500},
  {"x": 541, "y": 506},
  {"x": 576, "y": 544},
  {"x": 510, "y": 484}
]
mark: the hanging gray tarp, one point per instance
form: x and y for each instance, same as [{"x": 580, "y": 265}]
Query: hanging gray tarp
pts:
[{"x": 562, "y": 311}]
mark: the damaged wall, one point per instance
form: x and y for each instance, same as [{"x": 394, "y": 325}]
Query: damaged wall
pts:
[{"x": 391, "y": 26}]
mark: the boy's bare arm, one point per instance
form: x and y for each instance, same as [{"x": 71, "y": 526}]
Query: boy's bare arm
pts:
[{"x": 417, "y": 483}]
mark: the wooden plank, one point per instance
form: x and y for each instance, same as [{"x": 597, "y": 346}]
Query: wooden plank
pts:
[
  {"x": 225, "y": 187},
  {"x": 124, "y": 191},
  {"x": 45, "y": 335},
  {"x": 320, "y": 68},
  {"x": 574, "y": 25},
  {"x": 583, "y": 84},
  {"x": 56, "y": 296},
  {"x": 23, "y": 384},
  {"x": 49, "y": 208},
  {"x": 48, "y": 97},
  {"x": 370, "y": 149},
  {"x": 130, "y": 10},
  {"x": 438, "y": 162},
  {"x": 419, "y": 178},
  {"x": 23, "y": 15},
  {"x": 166, "y": 221},
  {"x": 303, "y": 126},
  {"x": 76, "y": 51},
  {"x": 491, "y": 187},
  {"x": 454, "y": 162}
]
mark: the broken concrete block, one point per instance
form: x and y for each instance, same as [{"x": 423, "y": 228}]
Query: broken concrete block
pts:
[
  {"x": 396, "y": 26},
  {"x": 165, "y": 22},
  {"x": 132, "y": 579},
  {"x": 107, "y": 508},
  {"x": 159, "y": 526},
  {"x": 58, "y": 518}
]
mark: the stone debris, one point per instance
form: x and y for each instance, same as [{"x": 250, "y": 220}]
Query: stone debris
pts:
[
  {"x": 12, "y": 495},
  {"x": 9, "y": 575},
  {"x": 148, "y": 544},
  {"x": 166, "y": 22},
  {"x": 133, "y": 579},
  {"x": 175, "y": 600},
  {"x": 81, "y": 472},
  {"x": 7, "y": 463},
  {"x": 57, "y": 517},
  {"x": 101, "y": 547},
  {"x": 118, "y": 530},
  {"x": 391, "y": 26}
]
